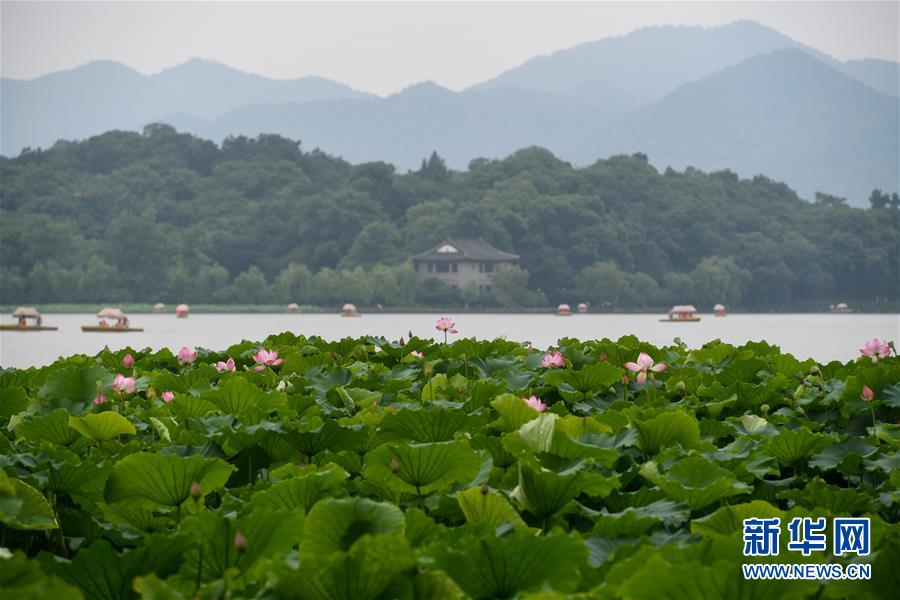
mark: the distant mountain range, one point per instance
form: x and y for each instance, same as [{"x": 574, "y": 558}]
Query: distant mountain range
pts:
[{"x": 739, "y": 96}]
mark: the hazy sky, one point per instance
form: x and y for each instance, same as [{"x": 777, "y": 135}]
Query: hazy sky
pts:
[{"x": 384, "y": 47}]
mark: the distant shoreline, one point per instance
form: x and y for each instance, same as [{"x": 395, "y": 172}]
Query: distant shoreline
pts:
[{"x": 143, "y": 308}]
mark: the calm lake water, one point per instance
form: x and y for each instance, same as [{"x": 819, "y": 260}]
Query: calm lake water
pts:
[{"x": 824, "y": 337}]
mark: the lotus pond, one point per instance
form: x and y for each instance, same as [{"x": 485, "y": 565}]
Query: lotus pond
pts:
[{"x": 367, "y": 469}]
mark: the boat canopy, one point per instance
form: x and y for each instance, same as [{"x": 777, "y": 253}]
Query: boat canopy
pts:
[
  {"x": 29, "y": 312},
  {"x": 719, "y": 307},
  {"x": 111, "y": 313},
  {"x": 682, "y": 308}
]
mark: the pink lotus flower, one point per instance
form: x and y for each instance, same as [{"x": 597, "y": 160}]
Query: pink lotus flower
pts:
[
  {"x": 876, "y": 349},
  {"x": 101, "y": 399},
  {"x": 553, "y": 359},
  {"x": 167, "y": 396},
  {"x": 644, "y": 363},
  {"x": 867, "y": 394},
  {"x": 446, "y": 325},
  {"x": 418, "y": 355},
  {"x": 186, "y": 356},
  {"x": 535, "y": 403},
  {"x": 225, "y": 365},
  {"x": 128, "y": 361},
  {"x": 265, "y": 358},
  {"x": 240, "y": 542},
  {"x": 125, "y": 384}
]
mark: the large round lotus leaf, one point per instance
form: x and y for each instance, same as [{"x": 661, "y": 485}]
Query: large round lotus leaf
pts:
[
  {"x": 333, "y": 525},
  {"x": 499, "y": 567},
  {"x": 423, "y": 468},
  {"x": 163, "y": 478},
  {"x": 23, "y": 507},
  {"x": 102, "y": 427}
]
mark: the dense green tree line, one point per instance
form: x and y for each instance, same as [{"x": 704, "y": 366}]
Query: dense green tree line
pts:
[{"x": 170, "y": 217}]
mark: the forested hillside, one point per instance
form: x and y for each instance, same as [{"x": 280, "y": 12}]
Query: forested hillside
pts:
[{"x": 163, "y": 216}]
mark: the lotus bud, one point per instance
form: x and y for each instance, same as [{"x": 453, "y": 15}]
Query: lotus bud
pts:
[
  {"x": 799, "y": 392},
  {"x": 128, "y": 361},
  {"x": 867, "y": 395},
  {"x": 240, "y": 542},
  {"x": 301, "y": 463},
  {"x": 394, "y": 465},
  {"x": 428, "y": 369},
  {"x": 603, "y": 357},
  {"x": 282, "y": 385},
  {"x": 681, "y": 389},
  {"x": 196, "y": 491},
  {"x": 402, "y": 342},
  {"x": 484, "y": 489},
  {"x": 334, "y": 355},
  {"x": 764, "y": 409},
  {"x": 624, "y": 379}
]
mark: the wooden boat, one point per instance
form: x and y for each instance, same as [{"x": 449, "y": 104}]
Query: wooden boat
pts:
[
  {"x": 349, "y": 310},
  {"x": 841, "y": 309},
  {"x": 119, "y": 322},
  {"x": 563, "y": 310},
  {"x": 719, "y": 310},
  {"x": 682, "y": 313},
  {"x": 110, "y": 329},
  {"x": 22, "y": 315}
]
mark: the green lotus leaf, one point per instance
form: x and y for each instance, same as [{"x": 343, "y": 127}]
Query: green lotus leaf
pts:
[
  {"x": 238, "y": 397},
  {"x": 423, "y": 468},
  {"x": 730, "y": 519},
  {"x": 12, "y": 401},
  {"x": 791, "y": 446},
  {"x": 74, "y": 387},
  {"x": 501, "y": 457},
  {"x": 567, "y": 437},
  {"x": 490, "y": 508},
  {"x": 86, "y": 479},
  {"x": 544, "y": 493},
  {"x": 187, "y": 407},
  {"x": 334, "y": 525},
  {"x": 423, "y": 426},
  {"x": 697, "y": 482},
  {"x": 23, "y": 579},
  {"x": 102, "y": 427},
  {"x": 840, "y": 501},
  {"x": 513, "y": 412},
  {"x": 834, "y": 456},
  {"x": 486, "y": 566},
  {"x": 53, "y": 428},
  {"x": 193, "y": 383},
  {"x": 23, "y": 507},
  {"x": 104, "y": 574},
  {"x": 163, "y": 479},
  {"x": 364, "y": 572},
  {"x": 328, "y": 436},
  {"x": 302, "y": 491},
  {"x": 585, "y": 382},
  {"x": 266, "y": 533},
  {"x": 665, "y": 429},
  {"x": 635, "y": 521}
]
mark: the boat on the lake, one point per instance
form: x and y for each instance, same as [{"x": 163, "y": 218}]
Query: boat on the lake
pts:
[
  {"x": 112, "y": 320},
  {"x": 719, "y": 310},
  {"x": 841, "y": 309},
  {"x": 23, "y": 316},
  {"x": 563, "y": 310},
  {"x": 182, "y": 311},
  {"x": 349, "y": 310},
  {"x": 682, "y": 313}
]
